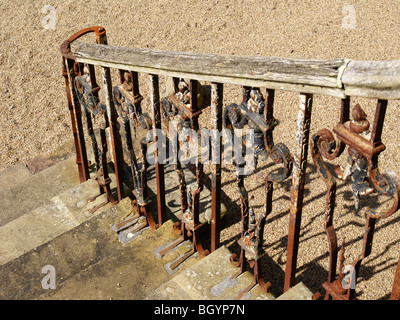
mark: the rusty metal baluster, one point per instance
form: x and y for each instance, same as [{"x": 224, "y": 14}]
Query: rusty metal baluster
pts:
[
  {"x": 269, "y": 116},
  {"x": 116, "y": 146},
  {"x": 89, "y": 116},
  {"x": 362, "y": 154},
  {"x": 160, "y": 177},
  {"x": 76, "y": 120},
  {"x": 95, "y": 147},
  {"x": 181, "y": 180},
  {"x": 376, "y": 135},
  {"x": 69, "y": 76},
  {"x": 395, "y": 295},
  {"x": 379, "y": 121},
  {"x": 216, "y": 127},
  {"x": 195, "y": 207},
  {"x": 298, "y": 179},
  {"x": 104, "y": 168}
]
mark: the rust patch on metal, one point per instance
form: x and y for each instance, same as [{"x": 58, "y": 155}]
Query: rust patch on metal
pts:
[{"x": 364, "y": 148}]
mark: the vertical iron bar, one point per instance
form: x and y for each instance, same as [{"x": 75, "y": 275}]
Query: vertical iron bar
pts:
[
  {"x": 395, "y": 295},
  {"x": 194, "y": 107},
  {"x": 194, "y": 103},
  {"x": 345, "y": 110},
  {"x": 116, "y": 147},
  {"x": 104, "y": 167},
  {"x": 96, "y": 151},
  {"x": 83, "y": 168},
  {"x": 93, "y": 82},
  {"x": 269, "y": 116},
  {"x": 160, "y": 178},
  {"x": 380, "y": 112},
  {"x": 216, "y": 146},
  {"x": 297, "y": 192},
  {"x": 143, "y": 171},
  {"x": 377, "y": 128},
  {"x": 84, "y": 164},
  {"x": 269, "y": 112},
  {"x": 369, "y": 230}
]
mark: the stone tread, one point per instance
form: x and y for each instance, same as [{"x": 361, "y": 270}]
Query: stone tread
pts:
[
  {"x": 209, "y": 279},
  {"x": 21, "y": 196},
  {"x": 44, "y": 223},
  {"x": 48, "y": 222}
]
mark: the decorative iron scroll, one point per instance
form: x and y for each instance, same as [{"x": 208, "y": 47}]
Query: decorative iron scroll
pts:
[
  {"x": 251, "y": 112},
  {"x": 182, "y": 106},
  {"x": 86, "y": 91},
  {"x": 364, "y": 147},
  {"x": 127, "y": 100}
]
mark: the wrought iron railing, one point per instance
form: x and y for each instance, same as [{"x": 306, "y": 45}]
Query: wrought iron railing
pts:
[{"x": 339, "y": 78}]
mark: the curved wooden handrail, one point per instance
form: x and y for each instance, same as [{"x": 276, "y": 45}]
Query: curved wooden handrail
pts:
[{"x": 336, "y": 77}]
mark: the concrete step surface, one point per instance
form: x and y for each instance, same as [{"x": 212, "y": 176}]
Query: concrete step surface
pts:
[
  {"x": 91, "y": 263},
  {"x": 209, "y": 279},
  {"x": 23, "y": 229},
  {"x": 213, "y": 278},
  {"x": 21, "y": 196},
  {"x": 47, "y": 224}
]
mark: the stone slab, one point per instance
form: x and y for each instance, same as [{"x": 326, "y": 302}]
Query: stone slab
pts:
[
  {"x": 75, "y": 201},
  {"x": 69, "y": 253},
  {"x": 13, "y": 175},
  {"x": 130, "y": 271},
  {"x": 208, "y": 279},
  {"x": 31, "y": 230},
  {"x": 297, "y": 292},
  {"x": 43, "y": 224},
  {"x": 37, "y": 190},
  {"x": 43, "y": 162}
]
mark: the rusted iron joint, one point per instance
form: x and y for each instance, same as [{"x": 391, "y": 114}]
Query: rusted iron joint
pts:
[
  {"x": 86, "y": 91},
  {"x": 66, "y": 45},
  {"x": 252, "y": 112},
  {"x": 364, "y": 148},
  {"x": 88, "y": 96},
  {"x": 182, "y": 106},
  {"x": 127, "y": 101}
]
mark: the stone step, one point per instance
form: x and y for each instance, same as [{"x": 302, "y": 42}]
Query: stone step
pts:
[
  {"x": 297, "y": 292},
  {"x": 210, "y": 279},
  {"x": 213, "y": 278},
  {"x": 27, "y": 186},
  {"x": 19, "y": 196},
  {"x": 131, "y": 271},
  {"x": 43, "y": 199},
  {"x": 61, "y": 214},
  {"x": 91, "y": 263},
  {"x": 47, "y": 221},
  {"x": 14, "y": 175},
  {"x": 74, "y": 249}
]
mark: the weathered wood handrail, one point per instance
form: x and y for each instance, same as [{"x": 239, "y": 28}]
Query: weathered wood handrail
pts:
[{"x": 336, "y": 77}]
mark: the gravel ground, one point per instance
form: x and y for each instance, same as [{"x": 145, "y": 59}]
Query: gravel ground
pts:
[{"x": 34, "y": 117}]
